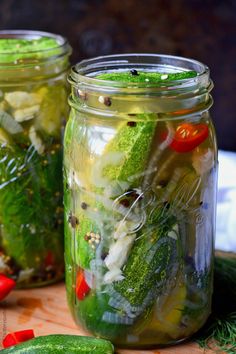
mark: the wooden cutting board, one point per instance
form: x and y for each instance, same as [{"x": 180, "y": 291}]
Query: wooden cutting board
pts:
[{"x": 45, "y": 310}]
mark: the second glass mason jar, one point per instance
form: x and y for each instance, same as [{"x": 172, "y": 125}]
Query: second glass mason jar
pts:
[
  {"x": 140, "y": 166},
  {"x": 33, "y": 106}
]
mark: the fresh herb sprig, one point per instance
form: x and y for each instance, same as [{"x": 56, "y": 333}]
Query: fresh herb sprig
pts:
[
  {"x": 28, "y": 209},
  {"x": 219, "y": 333}
]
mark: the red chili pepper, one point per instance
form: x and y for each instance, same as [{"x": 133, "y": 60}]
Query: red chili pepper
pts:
[
  {"x": 82, "y": 288},
  {"x": 49, "y": 259},
  {"x": 188, "y": 136},
  {"x": 6, "y": 285},
  {"x": 17, "y": 337}
]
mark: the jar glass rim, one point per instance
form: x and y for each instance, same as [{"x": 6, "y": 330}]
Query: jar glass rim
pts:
[{"x": 85, "y": 71}]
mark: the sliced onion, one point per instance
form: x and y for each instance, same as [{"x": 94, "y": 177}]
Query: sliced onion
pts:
[
  {"x": 118, "y": 252},
  {"x": 36, "y": 140},
  {"x": 153, "y": 164},
  {"x": 111, "y": 158},
  {"x": 25, "y": 275},
  {"x": 89, "y": 277},
  {"x": 111, "y": 317},
  {"x": 174, "y": 233},
  {"x": 113, "y": 275},
  {"x": 203, "y": 160},
  {"x": 9, "y": 124}
]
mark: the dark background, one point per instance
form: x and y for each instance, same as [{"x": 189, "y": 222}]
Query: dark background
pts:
[{"x": 204, "y": 30}]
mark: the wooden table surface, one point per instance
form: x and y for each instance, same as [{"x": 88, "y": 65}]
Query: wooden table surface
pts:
[{"x": 45, "y": 310}]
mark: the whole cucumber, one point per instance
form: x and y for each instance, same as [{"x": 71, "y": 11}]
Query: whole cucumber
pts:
[{"x": 61, "y": 344}]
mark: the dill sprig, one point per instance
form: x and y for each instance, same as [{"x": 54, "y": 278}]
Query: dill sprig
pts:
[
  {"x": 219, "y": 333},
  {"x": 30, "y": 206}
]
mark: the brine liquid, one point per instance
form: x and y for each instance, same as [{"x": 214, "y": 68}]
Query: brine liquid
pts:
[
  {"x": 139, "y": 225},
  {"x": 31, "y": 213}
]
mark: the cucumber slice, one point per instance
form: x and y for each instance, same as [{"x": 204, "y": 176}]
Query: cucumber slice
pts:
[
  {"x": 147, "y": 77},
  {"x": 12, "y": 49},
  {"x": 133, "y": 143}
]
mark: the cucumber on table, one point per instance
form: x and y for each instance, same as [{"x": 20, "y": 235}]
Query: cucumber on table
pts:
[{"x": 62, "y": 344}]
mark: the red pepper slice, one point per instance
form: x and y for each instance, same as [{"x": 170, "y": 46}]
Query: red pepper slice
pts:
[
  {"x": 17, "y": 337},
  {"x": 49, "y": 259},
  {"x": 82, "y": 288},
  {"x": 6, "y": 285},
  {"x": 188, "y": 136}
]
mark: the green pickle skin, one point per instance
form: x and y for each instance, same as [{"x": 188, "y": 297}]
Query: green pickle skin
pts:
[
  {"x": 31, "y": 213},
  {"x": 155, "y": 264},
  {"x": 18, "y": 48},
  {"x": 62, "y": 343}
]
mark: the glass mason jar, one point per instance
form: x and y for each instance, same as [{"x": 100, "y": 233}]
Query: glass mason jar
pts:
[
  {"x": 140, "y": 166},
  {"x": 33, "y": 107}
]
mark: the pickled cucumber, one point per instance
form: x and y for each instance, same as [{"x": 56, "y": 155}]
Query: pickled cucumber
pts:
[
  {"x": 114, "y": 309},
  {"x": 12, "y": 49},
  {"x": 133, "y": 144},
  {"x": 131, "y": 235},
  {"x": 32, "y": 109}
]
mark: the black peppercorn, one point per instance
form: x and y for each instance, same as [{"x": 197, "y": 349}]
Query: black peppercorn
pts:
[
  {"x": 73, "y": 220},
  {"x": 82, "y": 95},
  {"x": 125, "y": 202},
  {"x": 132, "y": 124},
  {"x": 107, "y": 101},
  {"x": 133, "y": 72},
  {"x": 84, "y": 205}
]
